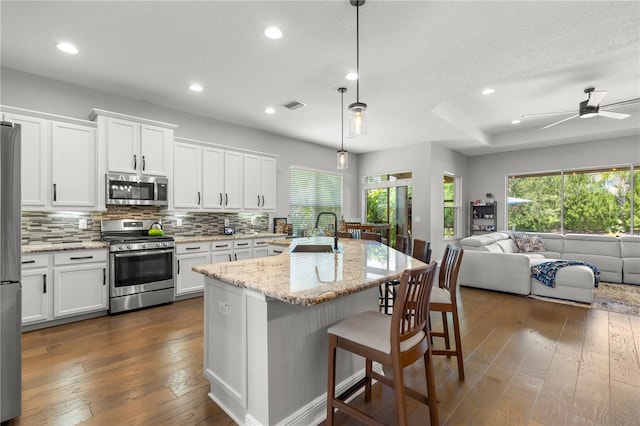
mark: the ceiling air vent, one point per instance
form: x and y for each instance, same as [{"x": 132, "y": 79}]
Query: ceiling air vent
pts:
[{"x": 293, "y": 105}]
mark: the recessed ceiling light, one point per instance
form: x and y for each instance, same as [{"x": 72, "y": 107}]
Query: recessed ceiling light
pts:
[
  {"x": 195, "y": 87},
  {"x": 488, "y": 91},
  {"x": 270, "y": 110},
  {"x": 351, "y": 76},
  {"x": 67, "y": 48},
  {"x": 273, "y": 33},
  {"x": 516, "y": 121}
]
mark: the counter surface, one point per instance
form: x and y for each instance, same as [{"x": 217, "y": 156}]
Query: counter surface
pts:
[
  {"x": 45, "y": 248},
  {"x": 311, "y": 278}
]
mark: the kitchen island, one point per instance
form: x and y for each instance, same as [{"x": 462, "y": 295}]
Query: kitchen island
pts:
[{"x": 266, "y": 326}]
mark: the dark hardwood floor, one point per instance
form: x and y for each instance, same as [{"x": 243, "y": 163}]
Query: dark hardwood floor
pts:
[{"x": 527, "y": 362}]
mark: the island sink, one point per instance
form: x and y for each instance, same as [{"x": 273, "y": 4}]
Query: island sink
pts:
[{"x": 312, "y": 248}]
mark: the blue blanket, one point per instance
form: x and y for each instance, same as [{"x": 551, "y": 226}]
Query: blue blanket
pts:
[{"x": 546, "y": 272}]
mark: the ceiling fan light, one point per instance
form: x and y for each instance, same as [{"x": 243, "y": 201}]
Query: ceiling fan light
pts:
[{"x": 357, "y": 119}]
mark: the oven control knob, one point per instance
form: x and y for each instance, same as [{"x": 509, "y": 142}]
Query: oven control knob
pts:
[
  {"x": 166, "y": 244},
  {"x": 158, "y": 244},
  {"x": 120, "y": 247},
  {"x": 144, "y": 245},
  {"x": 129, "y": 246}
]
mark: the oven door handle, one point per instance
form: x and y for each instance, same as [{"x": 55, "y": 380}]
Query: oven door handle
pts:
[{"x": 146, "y": 253}]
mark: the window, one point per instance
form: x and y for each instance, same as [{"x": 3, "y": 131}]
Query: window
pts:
[
  {"x": 312, "y": 192},
  {"x": 450, "y": 196},
  {"x": 595, "y": 201},
  {"x": 388, "y": 199}
]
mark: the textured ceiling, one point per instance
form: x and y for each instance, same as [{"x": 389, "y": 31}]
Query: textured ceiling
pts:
[{"x": 423, "y": 64}]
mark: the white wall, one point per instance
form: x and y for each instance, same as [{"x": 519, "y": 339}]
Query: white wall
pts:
[
  {"x": 37, "y": 93},
  {"x": 488, "y": 173}
]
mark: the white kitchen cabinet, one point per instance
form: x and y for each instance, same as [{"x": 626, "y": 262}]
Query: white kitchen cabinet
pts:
[
  {"x": 36, "y": 289},
  {"x": 59, "y": 161},
  {"x": 221, "y": 251},
  {"x": 135, "y": 145},
  {"x": 80, "y": 282},
  {"x": 259, "y": 182},
  {"x": 74, "y": 161},
  {"x": 187, "y": 176},
  {"x": 242, "y": 249},
  {"x": 36, "y": 142},
  {"x": 260, "y": 247},
  {"x": 233, "y": 180},
  {"x": 187, "y": 256},
  {"x": 213, "y": 183}
]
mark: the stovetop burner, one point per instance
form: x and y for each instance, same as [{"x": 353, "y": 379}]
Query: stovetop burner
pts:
[{"x": 132, "y": 234}]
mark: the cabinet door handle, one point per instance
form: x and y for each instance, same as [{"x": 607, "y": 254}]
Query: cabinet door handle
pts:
[
  {"x": 277, "y": 251},
  {"x": 44, "y": 283},
  {"x": 198, "y": 197},
  {"x": 55, "y": 192},
  {"x": 221, "y": 198},
  {"x": 243, "y": 244},
  {"x": 222, "y": 246},
  {"x": 178, "y": 267},
  {"x": 192, "y": 248},
  {"x": 230, "y": 258},
  {"x": 263, "y": 201},
  {"x": 135, "y": 162},
  {"x": 81, "y": 258},
  {"x": 104, "y": 276},
  {"x": 258, "y": 201},
  {"x": 144, "y": 163},
  {"x": 24, "y": 262},
  {"x": 226, "y": 199},
  {"x": 235, "y": 255}
]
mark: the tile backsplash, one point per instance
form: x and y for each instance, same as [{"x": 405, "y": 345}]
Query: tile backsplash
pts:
[{"x": 63, "y": 227}]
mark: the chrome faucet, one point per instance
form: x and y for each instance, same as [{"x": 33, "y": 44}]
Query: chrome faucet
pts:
[{"x": 335, "y": 227}]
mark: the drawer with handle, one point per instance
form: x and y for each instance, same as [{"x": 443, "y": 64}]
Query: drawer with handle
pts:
[
  {"x": 192, "y": 247},
  {"x": 242, "y": 244},
  {"x": 41, "y": 261},
  {"x": 80, "y": 256}
]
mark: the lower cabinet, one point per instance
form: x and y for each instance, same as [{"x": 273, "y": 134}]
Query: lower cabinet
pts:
[
  {"x": 63, "y": 284},
  {"x": 36, "y": 289},
  {"x": 242, "y": 249},
  {"x": 260, "y": 247},
  {"x": 80, "y": 282},
  {"x": 187, "y": 256}
]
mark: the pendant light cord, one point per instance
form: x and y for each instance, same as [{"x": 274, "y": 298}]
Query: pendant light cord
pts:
[
  {"x": 358, "y": 53},
  {"x": 341, "y": 120}
]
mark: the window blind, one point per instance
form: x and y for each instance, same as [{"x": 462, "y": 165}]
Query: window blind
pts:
[{"x": 312, "y": 192}]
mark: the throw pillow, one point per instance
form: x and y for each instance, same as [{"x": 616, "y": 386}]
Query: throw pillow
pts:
[
  {"x": 519, "y": 239},
  {"x": 537, "y": 243}
]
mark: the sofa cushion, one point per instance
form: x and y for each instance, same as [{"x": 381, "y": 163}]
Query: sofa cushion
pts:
[
  {"x": 631, "y": 270},
  {"x": 553, "y": 243},
  {"x": 507, "y": 246},
  {"x": 629, "y": 246},
  {"x": 602, "y": 245},
  {"x": 610, "y": 267}
]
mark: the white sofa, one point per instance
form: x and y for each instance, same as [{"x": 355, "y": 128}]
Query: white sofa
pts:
[{"x": 493, "y": 261}]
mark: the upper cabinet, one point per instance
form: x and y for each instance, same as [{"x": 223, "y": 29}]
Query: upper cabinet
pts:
[
  {"x": 259, "y": 182},
  {"x": 205, "y": 177},
  {"x": 135, "y": 145},
  {"x": 59, "y": 161}
]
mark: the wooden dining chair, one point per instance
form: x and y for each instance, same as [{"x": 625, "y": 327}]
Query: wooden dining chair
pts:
[
  {"x": 371, "y": 236},
  {"x": 401, "y": 243},
  {"x": 354, "y": 227},
  {"x": 395, "y": 341},
  {"x": 444, "y": 300},
  {"x": 421, "y": 250},
  {"x": 344, "y": 234}
]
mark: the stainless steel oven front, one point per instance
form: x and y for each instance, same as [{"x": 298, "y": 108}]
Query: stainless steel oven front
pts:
[{"x": 141, "y": 278}]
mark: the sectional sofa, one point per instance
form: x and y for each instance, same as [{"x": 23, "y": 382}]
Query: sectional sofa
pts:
[{"x": 494, "y": 262}]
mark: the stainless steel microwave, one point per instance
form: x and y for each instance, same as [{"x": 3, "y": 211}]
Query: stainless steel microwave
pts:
[{"x": 134, "y": 190}]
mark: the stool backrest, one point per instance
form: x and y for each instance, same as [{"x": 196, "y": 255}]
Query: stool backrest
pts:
[
  {"x": 401, "y": 243},
  {"x": 411, "y": 307},
  {"x": 371, "y": 236},
  {"x": 354, "y": 227},
  {"x": 449, "y": 269},
  {"x": 421, "y": 250}
]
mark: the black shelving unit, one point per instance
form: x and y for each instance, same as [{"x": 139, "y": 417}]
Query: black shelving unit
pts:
[{"x": 483, "y": 218}]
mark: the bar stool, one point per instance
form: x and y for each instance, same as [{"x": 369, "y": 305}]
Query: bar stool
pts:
[
  {"x": 354, "y": 227},
  {"x": 406, "y": 342},
  {"x": 344, "y": 234},
  {"x": 372, "y": 236},
  {"x": 386, "y": 293},
  {"x": 443, "y": 300}
]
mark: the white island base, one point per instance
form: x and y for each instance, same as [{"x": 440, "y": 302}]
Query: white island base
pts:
[{"x": 266, "y": 359}]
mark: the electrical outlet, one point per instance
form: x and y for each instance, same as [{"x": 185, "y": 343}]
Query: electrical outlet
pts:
[
  {"x": 226, "y": 221},
  {"x": 253, "y": 221},
  {"x": 179, "y": 221},
  {"x": 417, "y": 219},
  {"x": 82, "y": 223},
  {"x": 223, "y": 307}
]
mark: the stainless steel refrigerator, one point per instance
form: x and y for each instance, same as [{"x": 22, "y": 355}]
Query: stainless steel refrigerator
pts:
[{"x": 10, "y": 265}]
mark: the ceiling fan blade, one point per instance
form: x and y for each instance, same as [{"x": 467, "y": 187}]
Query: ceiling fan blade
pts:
[
  {"x": 617, "y": 115},
  {"x": 544, "y": 114},
  {"x": 621, "y": 103},
  {"x": 595, "y": 98},
  {"x": 561, "y": 121}
]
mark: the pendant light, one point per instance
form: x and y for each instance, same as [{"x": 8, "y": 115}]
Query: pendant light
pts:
[
  {"x": 343, "y": 156},
  {"x": 357, "y": 110}
]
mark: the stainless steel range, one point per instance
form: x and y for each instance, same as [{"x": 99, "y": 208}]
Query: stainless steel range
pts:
[{"x": 140, "y": 265}]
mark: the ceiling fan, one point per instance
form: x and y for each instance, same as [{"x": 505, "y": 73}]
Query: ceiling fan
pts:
[{"x": 590, "y": 107}]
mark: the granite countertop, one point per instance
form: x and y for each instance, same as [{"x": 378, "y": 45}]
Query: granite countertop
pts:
[
  {"x": 310, "y": 278},
  {"x": 195, "y": 239},
  {"x": 44, "y": 248}
]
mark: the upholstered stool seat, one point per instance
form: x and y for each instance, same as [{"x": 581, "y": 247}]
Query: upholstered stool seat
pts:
[{"x": 575, "y": 282}]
